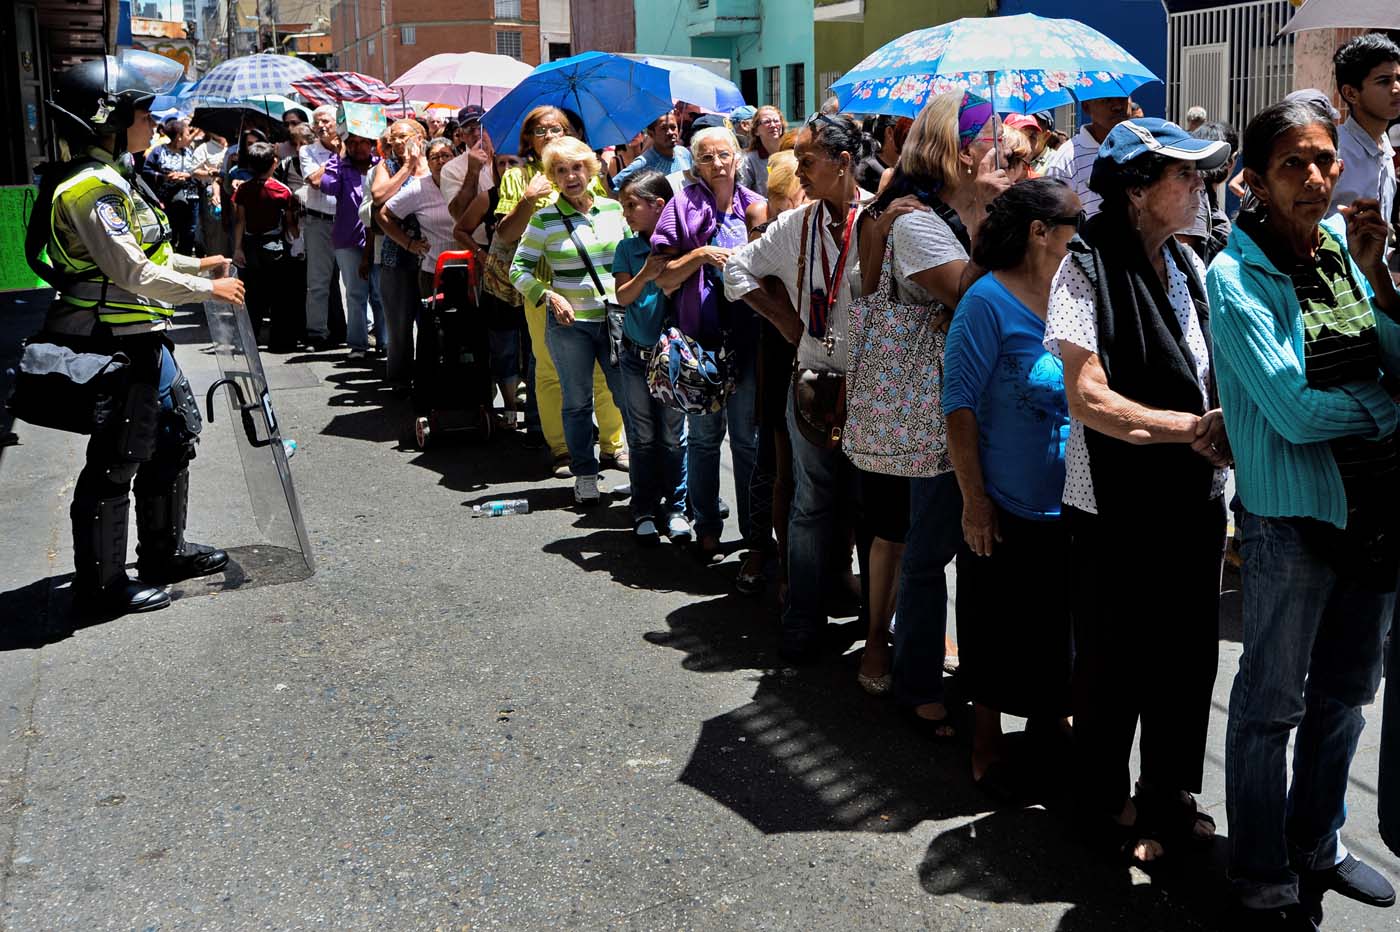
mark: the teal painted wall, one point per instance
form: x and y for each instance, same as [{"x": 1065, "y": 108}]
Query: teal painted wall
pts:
[
  {"x": 785, "y": 38},
  {"x": 839, "y": 47}
]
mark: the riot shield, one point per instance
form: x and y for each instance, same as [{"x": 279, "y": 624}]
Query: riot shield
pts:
[{"x": 286, "y": 554}]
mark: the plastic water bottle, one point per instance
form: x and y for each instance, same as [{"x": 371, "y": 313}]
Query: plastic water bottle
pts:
[{"x": 501, "y": 507}]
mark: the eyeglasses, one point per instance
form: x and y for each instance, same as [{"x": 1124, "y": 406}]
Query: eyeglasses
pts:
[
  {"x": 441, "y": 156},
  {"x": 539, "y": 132},
  {"x": 771, "y": 121},
  {"x": 723, "y": 157},
  {"x": 1077, "y": 221}
]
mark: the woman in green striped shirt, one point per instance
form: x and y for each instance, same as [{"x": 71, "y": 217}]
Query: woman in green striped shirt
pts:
[{"x": 577, "y": 328}]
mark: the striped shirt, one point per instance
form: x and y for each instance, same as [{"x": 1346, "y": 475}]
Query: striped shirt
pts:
[
  {"x": 1340, "y": 345},
  {"x": 600, "y": 229},
  {"x": 1077, "y": 169}
]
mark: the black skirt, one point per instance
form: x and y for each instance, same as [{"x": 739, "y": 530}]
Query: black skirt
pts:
[{"x": 1015, "y": 637}]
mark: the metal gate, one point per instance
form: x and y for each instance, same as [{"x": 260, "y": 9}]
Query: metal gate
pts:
[{"x": 1225, "y": 59}]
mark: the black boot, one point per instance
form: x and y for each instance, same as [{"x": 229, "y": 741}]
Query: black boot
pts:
[
  {"x": 162, "y": 553},
  {"x": 100, "y": 583}
]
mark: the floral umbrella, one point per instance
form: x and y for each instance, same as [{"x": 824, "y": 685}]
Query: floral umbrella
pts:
[{"x": 1030, "y": 62}]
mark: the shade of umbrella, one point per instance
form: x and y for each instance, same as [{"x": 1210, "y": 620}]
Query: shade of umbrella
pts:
[
  {"x": 461, "y": 78},
  {"x": 330, "y": 87},
  {"x": 250, "y": 75},
  {"x": 699, "y": 86},
  {"x": 1342, "y": 14},
  {"x": 230, "y": 121},
  {"x": 615, "y": 97},
  {"x": 1030, "y": 62}
]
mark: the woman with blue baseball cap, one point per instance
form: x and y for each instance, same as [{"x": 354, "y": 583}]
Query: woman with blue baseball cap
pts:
[{"x": 1145, "y": 474}]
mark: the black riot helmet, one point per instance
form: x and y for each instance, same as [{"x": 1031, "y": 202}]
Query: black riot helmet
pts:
[{"x": 101, "y": 97}]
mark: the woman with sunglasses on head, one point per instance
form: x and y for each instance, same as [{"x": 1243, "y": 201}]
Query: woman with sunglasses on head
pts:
[
  {"x": 929, "y": 214},
  {"x": 768, "y": 129},
  {"x": 1004, "y": 399},
  {"x": 1145, "y": 474},
  {"x": 812, "y": 251},
  {"x": 524, "y": 191}
]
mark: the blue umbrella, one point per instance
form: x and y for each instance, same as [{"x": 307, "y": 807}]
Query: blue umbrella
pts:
[
  {"x": 1030, "y": 63},
  {"x": 615, "y": 98},
  {"x": 699, "y": 86}
]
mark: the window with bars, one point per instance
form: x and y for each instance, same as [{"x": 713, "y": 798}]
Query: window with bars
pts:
[
  {"x": 507, "y": 9},
  {"x": 797, "y": 91},
  {"x": 508, "y": 43},
  {"x": 408, "y": 35},
  {"x": 773, "y": 82}
]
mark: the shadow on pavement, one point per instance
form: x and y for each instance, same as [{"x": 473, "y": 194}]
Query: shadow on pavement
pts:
[{"x": 1030, "y": 856}]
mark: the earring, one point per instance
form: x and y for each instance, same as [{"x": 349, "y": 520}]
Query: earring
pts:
[{"x": 840, "y": 173}]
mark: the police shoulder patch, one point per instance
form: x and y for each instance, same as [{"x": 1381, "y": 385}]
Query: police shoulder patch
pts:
[{"x": 112, "y": 211}]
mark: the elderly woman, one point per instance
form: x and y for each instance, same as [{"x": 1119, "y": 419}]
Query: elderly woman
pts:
[
  {"x": 946, "y": 171},
  {"x": 523, "y": 192},
  {"x": 698, "y": 231},
  {"x": 812, "y": 251},
  {"x": 422, "y": 199},
  {"x": 579, "y": 232},
  {"x": 767, "y": 137},
  {"x": 398, "y": 276},
  {"x": 1004, "y": 398},
  {"x": 1301, "y": 351},
  {"x": 1144, "y": 479}
]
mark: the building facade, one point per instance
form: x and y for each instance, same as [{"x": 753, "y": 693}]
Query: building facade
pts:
[
  {"x": 556, "y": 32},
  {"x": 768, "y": 43},
  {"x": 384, "y": 38},
  {"x": 604, "y": 25}
]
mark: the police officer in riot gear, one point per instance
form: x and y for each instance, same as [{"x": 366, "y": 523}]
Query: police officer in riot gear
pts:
[{"x": 118, "y": 282}]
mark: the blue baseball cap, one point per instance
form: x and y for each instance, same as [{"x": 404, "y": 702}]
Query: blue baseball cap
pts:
[
  {"x": 742, "y": 113},
  {"x": 1150, "y": 135}
]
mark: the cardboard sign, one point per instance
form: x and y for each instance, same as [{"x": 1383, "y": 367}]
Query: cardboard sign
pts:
[
  {"x": 16, "y": 203},
  {"x": 365, "y": 120}
]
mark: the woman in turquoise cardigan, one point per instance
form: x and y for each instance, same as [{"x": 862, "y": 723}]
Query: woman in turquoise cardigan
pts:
[{"x": 1303, "y": 321}]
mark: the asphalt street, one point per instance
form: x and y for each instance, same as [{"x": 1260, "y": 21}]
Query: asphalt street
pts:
[{"x": 517, "y": 723}]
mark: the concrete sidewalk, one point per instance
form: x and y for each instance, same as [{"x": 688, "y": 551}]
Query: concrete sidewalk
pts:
[{"x": 516, "y": 723}]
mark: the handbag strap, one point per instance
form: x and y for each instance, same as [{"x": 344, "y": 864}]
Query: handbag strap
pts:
[{"x": 583, "y": 254}]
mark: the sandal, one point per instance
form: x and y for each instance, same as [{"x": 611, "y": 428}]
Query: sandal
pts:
[
  {"x": 751, "y": 579},
  {"x": 939, "y": 729},
  {"x": 1175, "y": 815},
  {"x": 1121, "y": 841}
]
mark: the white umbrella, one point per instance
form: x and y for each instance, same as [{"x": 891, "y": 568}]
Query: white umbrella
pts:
[
  {"x": 1345, "y": 14},
  {"x": 461, "y": 78}
]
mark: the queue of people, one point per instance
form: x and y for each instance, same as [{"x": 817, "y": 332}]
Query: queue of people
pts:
[{"x": 955, "y": 340}]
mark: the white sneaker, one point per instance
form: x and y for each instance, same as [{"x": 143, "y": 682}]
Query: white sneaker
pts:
[
  {"x": 586, "y": 490},
  {"x": 646, "y": 532},
  {"x": 679, "y": 529}
]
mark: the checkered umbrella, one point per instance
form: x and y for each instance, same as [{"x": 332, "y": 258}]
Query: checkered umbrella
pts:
[
  {"x": 240, "y": 78},
  {"x": 331, "y": 87}
]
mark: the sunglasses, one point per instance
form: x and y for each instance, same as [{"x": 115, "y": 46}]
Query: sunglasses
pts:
[
  {"x": 1077, "y": 221},
  {"x": 820, "y": 117},
  {"x": 539, "y": 132}
]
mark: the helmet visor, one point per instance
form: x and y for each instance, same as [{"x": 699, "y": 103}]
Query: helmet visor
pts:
[{"x": 143, "y": 74}]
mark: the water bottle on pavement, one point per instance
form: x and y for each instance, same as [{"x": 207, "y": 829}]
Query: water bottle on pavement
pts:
[{"x": 501, "y": 507}]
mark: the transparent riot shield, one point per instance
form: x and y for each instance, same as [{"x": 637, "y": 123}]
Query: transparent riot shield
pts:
[{"x": 285, "y": 556}]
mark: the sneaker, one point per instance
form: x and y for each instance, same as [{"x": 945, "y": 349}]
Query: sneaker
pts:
[
  {"x": 586, "y": 490},
  {"x": 357, "y": 354},
  {"x": 646, "y": 532},
  {"x": 678, "y": 529},
  {"x": 563, "y": 468}
]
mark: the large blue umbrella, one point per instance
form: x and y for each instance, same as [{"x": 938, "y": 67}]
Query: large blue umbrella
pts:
[
  {"x": 700, "y": 86},
  {"x": 615, "y": 97},
  {"x": 1030, "y": 63}
]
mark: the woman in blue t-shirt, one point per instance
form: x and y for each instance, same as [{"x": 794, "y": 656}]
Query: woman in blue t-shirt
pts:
[
  {"x": 655, "y": 432},
  {"x": 1004, "y": 398}
]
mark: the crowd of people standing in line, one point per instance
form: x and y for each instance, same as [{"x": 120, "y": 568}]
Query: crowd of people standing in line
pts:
[{"x": 958, "y": 339}]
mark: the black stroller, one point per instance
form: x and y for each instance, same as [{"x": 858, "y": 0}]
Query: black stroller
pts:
[{"x": 452, "y": 387}]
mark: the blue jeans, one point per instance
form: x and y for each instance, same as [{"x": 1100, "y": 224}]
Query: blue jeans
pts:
[
  {"x": 1312, "y": 659},
  {"x": 574, "y": 350},
  {"x": 824, "y": 483},
  {"x": 656, "y": 440},
  {"x": 358, "y": 295},
  {"x": 921, "y": 614},
  {"x": 706, "y": 432}
]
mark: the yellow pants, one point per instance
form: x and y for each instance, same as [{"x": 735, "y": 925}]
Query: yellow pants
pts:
[{"x": 550, "y": 399}]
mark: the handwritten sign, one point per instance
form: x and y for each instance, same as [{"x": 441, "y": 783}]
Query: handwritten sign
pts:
[{"x": 16, "y": 203}]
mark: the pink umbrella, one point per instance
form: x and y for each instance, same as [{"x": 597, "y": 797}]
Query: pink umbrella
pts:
[
  {"x": 461, "y": 78},
  {"x": 334, "y": 86}
]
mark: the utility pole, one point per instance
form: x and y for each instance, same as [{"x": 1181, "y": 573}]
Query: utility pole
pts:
[{"x": 231, "y": 19}]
